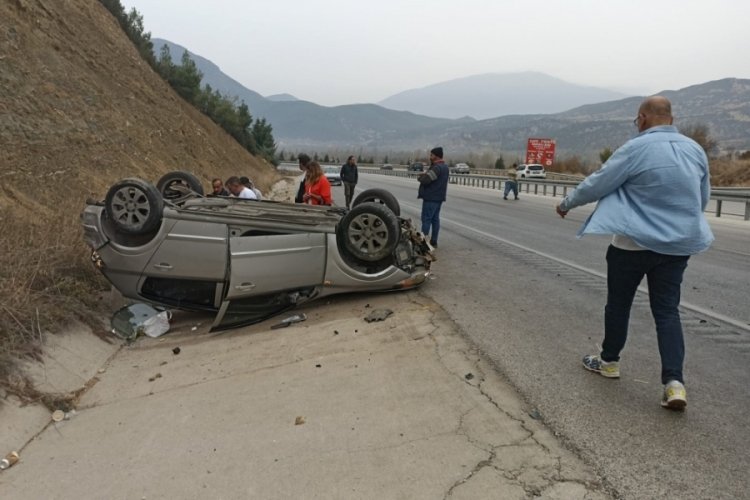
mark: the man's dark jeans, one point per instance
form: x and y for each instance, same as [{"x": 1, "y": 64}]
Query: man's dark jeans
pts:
[
  {"x": 625, "y": 270},
  {"x": 431, "y": 219}
]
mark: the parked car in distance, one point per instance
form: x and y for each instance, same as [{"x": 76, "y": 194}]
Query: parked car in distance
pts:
[
  {"x": 247, "y": 260},
  {"x": 333, "y": 174},
  {"x": 416, "y": 167},
  {"x": 386, "y": 166},
  {"x": 532, "y": 170},
  {"x": 461, "y": 168}
]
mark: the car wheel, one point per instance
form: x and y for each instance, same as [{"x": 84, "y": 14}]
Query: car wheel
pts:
[
  {"x": 177, "y": 185},
  {"x": 378, "y": 196},
  {"x": 369, "y": 232},
  {"x": 134, "y": 206}
]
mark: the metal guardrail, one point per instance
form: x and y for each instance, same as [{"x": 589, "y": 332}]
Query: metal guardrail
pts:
[{"x": 561, "y": 187}]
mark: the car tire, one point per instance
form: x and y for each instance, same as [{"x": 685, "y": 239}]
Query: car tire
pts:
[
  {"x": 176, "y": 186},
  {"x": 134, "y": 206},
  {"x": 378, "y": 196},
  {"x": 369, "y": 232}
]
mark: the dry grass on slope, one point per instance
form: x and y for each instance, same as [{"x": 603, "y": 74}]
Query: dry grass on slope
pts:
[
  {"x": 726, "y": 173},
  {"x": 80, "y": 110}
]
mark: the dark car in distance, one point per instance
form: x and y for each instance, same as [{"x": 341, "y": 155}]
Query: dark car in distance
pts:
[{"x": 416, "y": 167}]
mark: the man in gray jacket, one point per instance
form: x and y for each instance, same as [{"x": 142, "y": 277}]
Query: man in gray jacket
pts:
[{"x": 349, "y": 176}]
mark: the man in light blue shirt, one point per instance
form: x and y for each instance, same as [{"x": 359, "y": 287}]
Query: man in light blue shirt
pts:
[{"x": 651, "y": 194}]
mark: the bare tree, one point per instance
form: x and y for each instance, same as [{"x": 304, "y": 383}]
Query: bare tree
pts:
[{"x": 699, "y": 133}]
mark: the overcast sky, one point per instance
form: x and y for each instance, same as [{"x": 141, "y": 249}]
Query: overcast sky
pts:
[{"x": 346, "y": 51}]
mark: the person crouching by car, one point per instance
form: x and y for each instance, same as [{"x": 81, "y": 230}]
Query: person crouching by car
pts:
[
  {"x": 249, "y": 184},
  {"x": 218, "y": 188},
  {"x": 239, "y": 190},
  {"x": 317, "y": 187}
]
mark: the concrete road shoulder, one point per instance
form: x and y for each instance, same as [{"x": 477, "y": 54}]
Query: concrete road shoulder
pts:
[{"x": 333, "y": 407}]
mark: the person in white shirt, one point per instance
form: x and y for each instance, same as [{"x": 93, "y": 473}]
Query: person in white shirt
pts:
[
  {"x": 249, "y": 184},
  {"x": 239, "y": 190}
]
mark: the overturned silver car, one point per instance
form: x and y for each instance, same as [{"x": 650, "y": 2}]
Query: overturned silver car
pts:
[{"x": 247, "y": 260}]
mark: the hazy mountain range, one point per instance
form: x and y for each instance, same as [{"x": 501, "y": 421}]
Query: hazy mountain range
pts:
[
  {"x": 303, "y": 124},
  {"x": 497, "y": 94},
  {"x": 723, "y": 105},
  {"x": 281, "y": 97}
]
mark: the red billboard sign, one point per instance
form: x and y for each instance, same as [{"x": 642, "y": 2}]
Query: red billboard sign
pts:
[{"x": 540, "y": 151}]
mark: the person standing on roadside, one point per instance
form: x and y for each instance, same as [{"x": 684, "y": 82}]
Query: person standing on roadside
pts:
[
  {"x": 433, "y": 188},
  {"x": 349, "y": 176},
  {"x": 651, "y": 194},
  {"x": 512, "y": 183},
  {"x": 317, "y": 186},
  {"x": 304, "y": 161}
]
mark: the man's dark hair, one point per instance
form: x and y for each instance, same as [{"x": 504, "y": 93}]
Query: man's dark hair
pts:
[
  {"x": 244, "y": 180},
  {"x": 303, "y": 158},
  {"x": 233, "y": 181}
]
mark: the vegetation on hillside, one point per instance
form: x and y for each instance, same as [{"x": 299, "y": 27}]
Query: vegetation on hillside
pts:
[
  {"x": 185, "y": 78},
  {"x": 80, "y": 111}
]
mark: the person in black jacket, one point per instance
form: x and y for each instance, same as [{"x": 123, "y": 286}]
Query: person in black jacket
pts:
[
  {"x": 217, "y": 188},
  {"x": 304, "y": 161},
  {"x": 349, "y": 176},
  {"x": 433, "y": 187}
]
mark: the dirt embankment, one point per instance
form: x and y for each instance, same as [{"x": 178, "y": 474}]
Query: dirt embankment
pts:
[{"x": 79, "y": 109}]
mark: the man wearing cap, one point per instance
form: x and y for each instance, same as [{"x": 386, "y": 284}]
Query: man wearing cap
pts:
[{"x": 433, "y": 186}]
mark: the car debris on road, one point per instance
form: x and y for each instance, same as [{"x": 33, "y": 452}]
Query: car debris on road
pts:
[
  {"x": 378, "y": 315},
  {"x": 297, "y": 318}
]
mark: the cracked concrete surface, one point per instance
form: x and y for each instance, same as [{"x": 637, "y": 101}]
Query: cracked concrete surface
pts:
[{"x": 403, "y": 408}]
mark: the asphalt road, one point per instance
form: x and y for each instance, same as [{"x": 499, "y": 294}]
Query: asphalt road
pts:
[{"x": 531, "y": 296}]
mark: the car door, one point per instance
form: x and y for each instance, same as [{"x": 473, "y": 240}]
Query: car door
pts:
[
  {"x": 262, "y": 263},
  {"x": 189, "y": 268}
]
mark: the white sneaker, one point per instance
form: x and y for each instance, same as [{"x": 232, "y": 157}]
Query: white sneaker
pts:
[
  {"x": 609, "y": 369},
  {"x": 675, "y": 396}
]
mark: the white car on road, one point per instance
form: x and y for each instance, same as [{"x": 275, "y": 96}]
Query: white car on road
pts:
[
  {"x": 333, "y": 174},
  {"x": 532, "y": 170}
]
